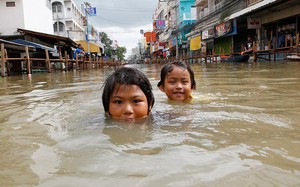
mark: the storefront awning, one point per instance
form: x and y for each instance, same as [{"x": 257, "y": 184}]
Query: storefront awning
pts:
[
  {"x": 15, "y": 46},
  {"x": 251, "y": 8},
  {"x": 94, "y": 47},
  {"x": 32, "y": 44}
]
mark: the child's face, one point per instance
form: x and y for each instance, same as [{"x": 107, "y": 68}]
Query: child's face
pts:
[
  {"x": 128, "y": 102},
  {"x": 177, "y": 85}
]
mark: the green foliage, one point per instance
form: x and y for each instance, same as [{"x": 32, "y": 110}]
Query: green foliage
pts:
[{"x": 120, "y": 51}]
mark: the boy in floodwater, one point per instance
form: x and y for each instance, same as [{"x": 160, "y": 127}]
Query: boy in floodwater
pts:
[
  {"x": 177, "y": 81},
  {"x": 127, "y": 95}
]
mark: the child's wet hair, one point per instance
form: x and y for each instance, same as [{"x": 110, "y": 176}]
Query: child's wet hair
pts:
[
  {"x": 170, "y": 66},
  {"x": 127, "y": 76}
]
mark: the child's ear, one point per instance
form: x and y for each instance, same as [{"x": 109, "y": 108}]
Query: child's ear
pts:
[{"x": 161, "y": 88}]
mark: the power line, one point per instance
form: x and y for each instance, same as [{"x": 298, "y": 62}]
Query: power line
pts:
[
  {"x": 127, "y": 23},
  {"x": 129, "y": 10}
]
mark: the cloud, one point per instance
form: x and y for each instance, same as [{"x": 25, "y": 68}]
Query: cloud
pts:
[
  {"x": 126, "y": 37},
  {"x": 122, "y": 20}
]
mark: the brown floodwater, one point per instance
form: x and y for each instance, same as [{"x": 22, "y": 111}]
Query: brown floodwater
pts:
[{"x": 242, "y": 129}]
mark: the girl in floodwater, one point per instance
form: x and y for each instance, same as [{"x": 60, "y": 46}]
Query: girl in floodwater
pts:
[
  {"x": 127, "y": 95},
  {"x": 177, "y": 81}
]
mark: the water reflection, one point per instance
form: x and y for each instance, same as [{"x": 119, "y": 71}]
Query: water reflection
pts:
[{"x": 241, "y": 130}]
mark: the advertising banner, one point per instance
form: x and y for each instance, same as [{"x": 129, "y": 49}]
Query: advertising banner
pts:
[
  {"x": 195, "y": 43},
  {"x": 223, "y": 28}
]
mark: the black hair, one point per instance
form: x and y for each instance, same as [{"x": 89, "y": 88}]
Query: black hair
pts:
[
  {"x": 127, "y": 76},
  {"x": 170, "y": 66}
]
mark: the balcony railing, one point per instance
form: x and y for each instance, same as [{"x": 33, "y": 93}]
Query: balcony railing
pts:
[{"x": 201, "y": 2}]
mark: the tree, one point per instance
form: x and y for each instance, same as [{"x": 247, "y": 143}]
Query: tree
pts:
[
  {"x": 110, "y": 51},
  {"x": 120, "y": 52}
]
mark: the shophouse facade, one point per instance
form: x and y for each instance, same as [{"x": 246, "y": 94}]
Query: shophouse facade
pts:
[
  {"x": 170, "y": 23},
  {"x": 224, "y": 25}
]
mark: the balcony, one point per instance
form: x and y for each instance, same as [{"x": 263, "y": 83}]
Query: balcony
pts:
[
  {"x": 201, "y": 2},
  {"x": 252, "y": 2}
]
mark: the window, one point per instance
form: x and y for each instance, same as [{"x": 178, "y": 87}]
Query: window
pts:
[
  {"x": 10, "y": 4},
  {"x": 61, "y": 27},
  {"x": 57, "y": 7}
]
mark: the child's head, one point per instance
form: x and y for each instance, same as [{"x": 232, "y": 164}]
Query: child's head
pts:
[
  {"x": 127, "y": 94},
  {"x": 177, "y": 81}
]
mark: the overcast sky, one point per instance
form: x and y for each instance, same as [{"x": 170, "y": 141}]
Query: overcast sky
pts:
[{"x": 122, "y": 20}]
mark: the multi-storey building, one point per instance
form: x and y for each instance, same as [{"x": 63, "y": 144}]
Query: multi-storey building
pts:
[
  {"x": 171, "y": 21},
  {"x": 72, "y": 22},
  {"x": 222, "y": 26},
  {"x": 68, "y": 19}
]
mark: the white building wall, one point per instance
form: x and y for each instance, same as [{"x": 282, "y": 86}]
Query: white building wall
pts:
[
  {"x": 11, "y": 18},
  {"x": 38, "y": 16},
  {"x": 33, "y": 15}
]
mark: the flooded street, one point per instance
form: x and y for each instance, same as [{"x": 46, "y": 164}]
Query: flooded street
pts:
[{"x": 241, "y": 130}]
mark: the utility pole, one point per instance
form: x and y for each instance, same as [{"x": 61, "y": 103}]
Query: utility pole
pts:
[
  {"x": 176, "y": 20},
  {"x": 87, "y": 5}
]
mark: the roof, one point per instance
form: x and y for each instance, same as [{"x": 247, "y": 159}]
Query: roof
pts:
[
  {"x": 15, "y": 46},
  {"x": 32, "y": 44},
  {"x": 49, "y": 38},
  {"x": 251, "y": 8}
]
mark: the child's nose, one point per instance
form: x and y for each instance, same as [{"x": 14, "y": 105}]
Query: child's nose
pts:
[
  {"x": 179, "y": 85},
  {"x": 128, "y": 109}
]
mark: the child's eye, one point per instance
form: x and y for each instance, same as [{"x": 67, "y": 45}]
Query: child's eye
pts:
[
  {"x": 137, "y": 101},
  {"x": 117, "y": 102},
  {"x": 171, "y": 82}
]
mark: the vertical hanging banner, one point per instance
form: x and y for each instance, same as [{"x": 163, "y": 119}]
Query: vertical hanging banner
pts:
[
  {"x": 153, "y": 36},
  {"x": 150, "y": 36},
  {"x": 147, "y": 35}
]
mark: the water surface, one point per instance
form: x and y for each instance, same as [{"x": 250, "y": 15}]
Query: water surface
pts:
[{"x": 241, "y": 130}]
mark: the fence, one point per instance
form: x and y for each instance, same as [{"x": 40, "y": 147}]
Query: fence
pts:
[{"x": 63, "y": 64}]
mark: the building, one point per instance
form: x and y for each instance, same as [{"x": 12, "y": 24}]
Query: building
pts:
[
  {"x": 224, "y": 25},
  {"x": 22, "y": 14},
  {"x": 68, "y": 20},
  {"x": 221, "y": 26},
  {"x": 172, "y": 20},
  {"x": 71, "y": 21}
]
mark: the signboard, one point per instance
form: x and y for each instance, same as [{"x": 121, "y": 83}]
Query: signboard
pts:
[
  {"x": 223, "y": 28},
  {"x": 150, "y": 36},
  {"x": 91, "y": 11},
  {"x": 207, "y": 34},
  {"x": 254, "y": 23},
  {"x": 160, "y": 24}
]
